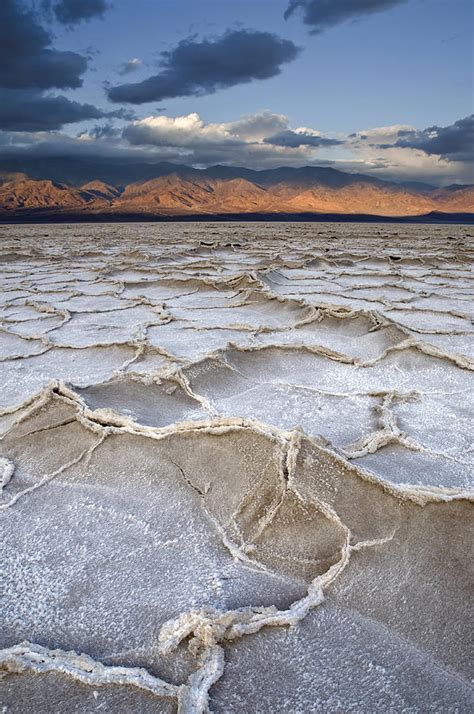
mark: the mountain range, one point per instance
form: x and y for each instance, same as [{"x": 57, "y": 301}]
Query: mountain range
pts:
[{"x": 62, "y": 189}]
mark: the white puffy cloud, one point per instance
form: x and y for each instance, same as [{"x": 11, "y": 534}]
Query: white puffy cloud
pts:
[
  {"x": 183, "y": 131},
  {"x": 241, "y": 142},
  {"x": 191, "y": 131}
]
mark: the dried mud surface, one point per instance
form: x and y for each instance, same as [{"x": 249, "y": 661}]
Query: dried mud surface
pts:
[{"x": 236, "y": 468}]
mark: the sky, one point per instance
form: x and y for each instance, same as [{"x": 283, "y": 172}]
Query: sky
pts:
[{"x": 380, "y": 87}]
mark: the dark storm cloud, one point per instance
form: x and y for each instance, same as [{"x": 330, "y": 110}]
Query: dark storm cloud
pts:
[
  {"x": 26, "y": 59},
  {"x": 294, "y": 139},
  {"x": 45, "y": 70},
  {"x": 321, "y": 14},
  {"x": 195, "y": 68},
  {"x": 30, "y": 110},
  {"x": 29, "y": 66},
  {"x": 454, "y": 142},
  {"x": 71, "y": 12}
]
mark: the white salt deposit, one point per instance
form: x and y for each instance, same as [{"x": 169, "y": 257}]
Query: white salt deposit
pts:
[{"x": 236, "y": 467}]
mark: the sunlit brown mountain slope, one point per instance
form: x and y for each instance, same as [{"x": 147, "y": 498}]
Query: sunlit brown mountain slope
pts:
[{"x": 196, "y": 193}]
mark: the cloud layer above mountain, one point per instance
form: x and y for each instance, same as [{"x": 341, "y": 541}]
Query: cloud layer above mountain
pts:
[
  {"x": 265, "y": 139},
  {"x": 260, "y": 140}
]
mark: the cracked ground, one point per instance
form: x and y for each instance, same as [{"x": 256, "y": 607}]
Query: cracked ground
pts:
[{"x": 236, "y": 467}]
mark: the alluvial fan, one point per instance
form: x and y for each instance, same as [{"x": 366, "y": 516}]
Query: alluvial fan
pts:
[{"x": 236, "y": 467}]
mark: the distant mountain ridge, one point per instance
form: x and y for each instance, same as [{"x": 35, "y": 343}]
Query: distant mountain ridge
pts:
[
  {"x": 59, "y": 187},
  {"x": 118, "y": 172}
]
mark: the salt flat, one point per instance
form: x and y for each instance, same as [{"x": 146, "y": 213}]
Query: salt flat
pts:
[{"x": 237, "y": 467}]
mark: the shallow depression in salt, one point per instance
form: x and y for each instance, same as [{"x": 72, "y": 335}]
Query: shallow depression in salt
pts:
[{"x": 236, "y": 467}]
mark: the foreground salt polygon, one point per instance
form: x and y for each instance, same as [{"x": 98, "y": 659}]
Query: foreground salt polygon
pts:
[{"x": 236, "y": 467}]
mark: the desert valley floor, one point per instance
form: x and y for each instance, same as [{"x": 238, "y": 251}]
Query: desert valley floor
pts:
[{"x": 236, "y": 467}]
